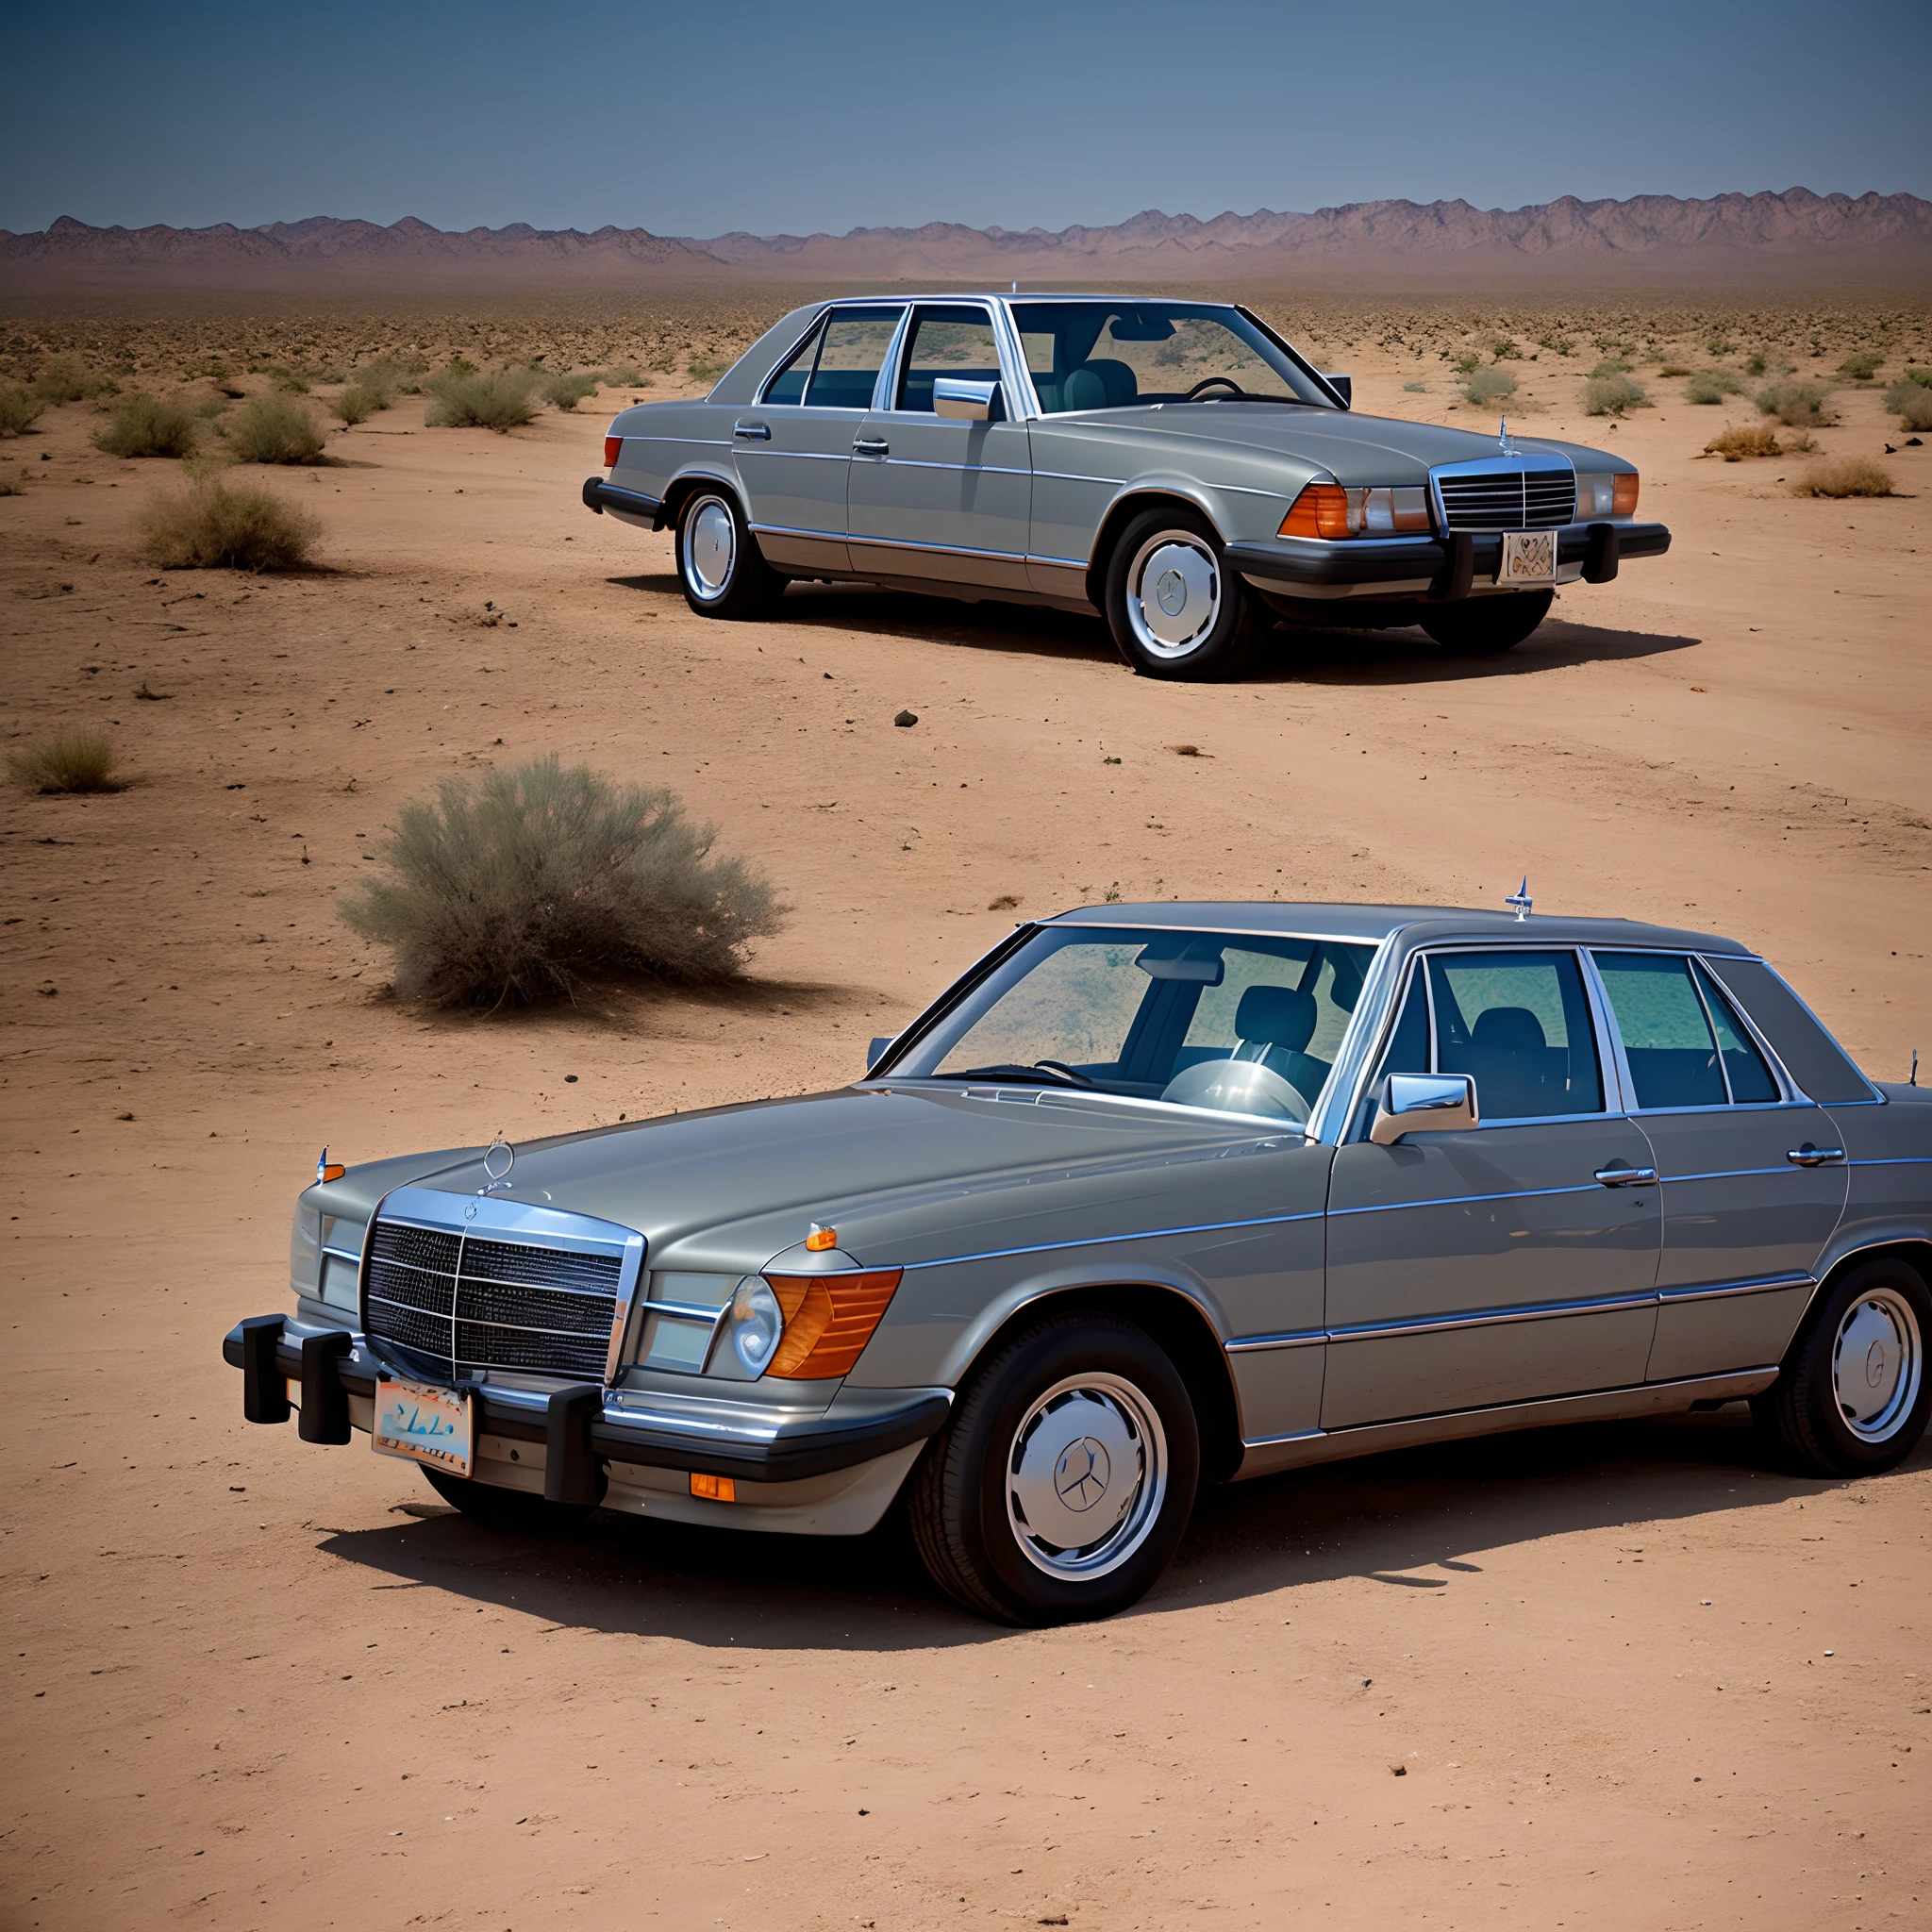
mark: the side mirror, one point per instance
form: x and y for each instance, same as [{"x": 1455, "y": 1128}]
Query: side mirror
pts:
[
  {"x": 1423, "y": 1104},
  {"x": 876, "y": 1051},
  {"x": 1343, "y": 386},
  {"x": 963, "y": 400}
]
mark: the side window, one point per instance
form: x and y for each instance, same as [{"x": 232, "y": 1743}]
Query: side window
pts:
[
  {"x": 850, "y": 354},
  {"x": 1666, "y": 1037},
  {"x": 1517, "y": 1022},
  {"x": 788, "y": 386},
  {"x": 1744, "y": 1068},
  {"x": 946, "y": 341}
]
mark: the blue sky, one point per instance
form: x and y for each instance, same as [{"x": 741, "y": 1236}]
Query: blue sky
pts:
[{"x": 832, "y": 114}]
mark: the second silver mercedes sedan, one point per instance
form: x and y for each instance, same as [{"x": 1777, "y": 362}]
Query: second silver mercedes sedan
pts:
[
  {"x": 1174, "y": 466},
  {"x": 1153, "y": 1195}
]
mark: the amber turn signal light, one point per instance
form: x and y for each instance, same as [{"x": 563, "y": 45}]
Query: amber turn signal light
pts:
[
  {"x": 714, "y": 1488},
  {"x": 828, "y": 1320},
  {"x": 612, "y": 447},
  {"x": 1321, "y": 511},
  {"x": 1623, "y": 496}
]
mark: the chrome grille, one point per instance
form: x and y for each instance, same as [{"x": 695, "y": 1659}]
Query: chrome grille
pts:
[
  {"x": 460, "y": 1300},
  {"x": 1509, "y": 499}
]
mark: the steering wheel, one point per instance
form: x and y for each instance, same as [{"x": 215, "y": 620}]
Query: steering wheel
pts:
[
  {"x": 1073, "y": 1074},
  {"x": 1233, "y": 1086},
  {"x": 1226, "y": 382}
]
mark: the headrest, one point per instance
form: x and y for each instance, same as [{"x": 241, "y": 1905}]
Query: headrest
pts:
[
  {"x": 1100, "y": 384},
  {"x": 1280, "y": 1015},
  {"x": 1510, "y": 1029}
]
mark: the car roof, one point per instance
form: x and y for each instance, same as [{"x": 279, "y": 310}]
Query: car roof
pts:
[
  {"x": 1020, "y": 295},
  {"x": 1417, "y": 924}
]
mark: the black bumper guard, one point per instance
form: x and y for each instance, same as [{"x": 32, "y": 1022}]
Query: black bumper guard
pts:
[
  {"x": 600, "y": 496},
  {"x": 579, "y": 1433}
]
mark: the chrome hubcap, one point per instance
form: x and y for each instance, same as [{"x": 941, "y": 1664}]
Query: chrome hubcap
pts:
[
  {"x": 1086, "y": 1476},
  {"x": 1875, "y": 1364},
  {"x": 1174, "y": 594},
  {"x": 710, "y": 542}
]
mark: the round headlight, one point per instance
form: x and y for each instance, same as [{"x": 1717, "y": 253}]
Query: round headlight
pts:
[{"x": 757, "y": 1322}]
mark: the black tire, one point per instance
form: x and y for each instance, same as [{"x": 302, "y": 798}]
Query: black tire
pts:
[
  {"x": 966, "y": 1506},
  {"x": 1485, "y": 626},
  {"x": 1232, "y": 618},
  {"x": 1862, "y": 1348},
  {"x": 720, "y": 565},
  {"x": 510, "y": 1512}
]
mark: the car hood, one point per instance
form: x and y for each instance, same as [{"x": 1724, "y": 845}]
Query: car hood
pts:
[
  {"x": 904, "y": 1175},
  {"x": 1357, "y": 450}
]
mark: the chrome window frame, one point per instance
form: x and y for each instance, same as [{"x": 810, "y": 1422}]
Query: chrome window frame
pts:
[
  {"x": 892, "y": 376},
  {"x": 760, "y": 400},
  {"x": 824, "y": 320}
]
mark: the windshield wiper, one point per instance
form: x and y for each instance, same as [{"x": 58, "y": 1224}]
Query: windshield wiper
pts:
[{"x": 1043, "y": 1072}]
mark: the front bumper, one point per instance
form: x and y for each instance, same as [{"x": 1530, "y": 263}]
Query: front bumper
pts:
[
  {"x": 630, "y": 505},
  {"x": 1450, "y": 565},
  {"x": 586, "y": 1424}
]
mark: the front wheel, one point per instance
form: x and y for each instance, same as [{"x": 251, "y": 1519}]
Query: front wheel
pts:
[
  {"x": 719, "y": 562},
  {"x": 1063, "y": 1481},
  {"x": 1175, "y": 607},
  {"x": 1853, "y": 1397},
  {"x": 1485, "y": 626}
]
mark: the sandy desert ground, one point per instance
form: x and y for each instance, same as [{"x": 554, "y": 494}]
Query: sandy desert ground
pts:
[{"x": 245, "y": 1677}]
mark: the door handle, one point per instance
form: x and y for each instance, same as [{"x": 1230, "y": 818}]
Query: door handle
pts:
[
  {"x": 752, "y": 432},
  {"x": 875, "y": 449},
  {"x": 1808, "y": 1155},
  {"x": 1620, "y": 1175}
]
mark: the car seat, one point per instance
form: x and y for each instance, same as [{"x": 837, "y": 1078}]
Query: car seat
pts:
[
  {"x": 1100, "y": 384},
  {"x": 1277, "y": 1022}
]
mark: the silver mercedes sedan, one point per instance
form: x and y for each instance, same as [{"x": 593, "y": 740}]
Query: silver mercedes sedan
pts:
[
  {"x": 1153, "y": 1195},
  {"x": 1175, "y": 466}
]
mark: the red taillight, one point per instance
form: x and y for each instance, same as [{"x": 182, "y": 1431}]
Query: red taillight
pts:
[{"x": 614, "y": 448}]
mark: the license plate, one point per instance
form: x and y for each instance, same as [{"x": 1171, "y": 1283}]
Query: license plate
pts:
[
  {"x": 425, "y": 1424},
  {"x": 1529, "y": 556}
]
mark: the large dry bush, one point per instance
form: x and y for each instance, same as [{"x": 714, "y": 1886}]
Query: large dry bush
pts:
[
  {"x": 212, "y": 526},
  {"x": 20, "y": 410},
  {"x": 516, "y": 885},
  {"x": 500, "y": 401},
  {"x": 1795, "y": 401},
  {"x": 567, "y": 392},
  {"x": 1737, "y": 442},
  {"x": 78, "y": 761},
  {"x": 1488, "y": 385},
  {"x": 1612, "y": 394},
  {"x": 274, "y": 428},
  {"x": 1843, "y": 476},
  {"x": 1712, "y": 386},
  {"x": 1910, "y": 400},
  {"x": 64, "y": 379},
  {"x": 145, "y": 426},
  {"x": 357, "y": 404}
]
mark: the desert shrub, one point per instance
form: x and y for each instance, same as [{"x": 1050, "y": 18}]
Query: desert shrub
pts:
[
  {"x": 1843, "y": 476},
  {"x": 1416, "y": 389},
  {"x": 459, "y": 365},
  {"x": 481, "y": 402},
  {"x": 623, "y": 376},
  {"x": 62, "y": 379},
  {"x": 209, "y": 407},
  {"x": 1795, "y": 401},
  {"x": 1734, "y": 444},
  {"x": 1610, "y": 395},
  {"x": 1503, "y": 349},
  {"x": 211, "y": 526},
  {"x": 356, "y": 405},
  {"x": 515, "y": 886},
  {"x": 389, "y": 376},
  {"x": 1467, "y": 364},
  {"x": 567, "y": 392},
  {"x": 1672, "y": 370},
  {"x": 291, "y": 381},
  {"x": 275, "y": 429},
  {"x": 74, "y": 762},
  {"x": 1488, "y": 385},
  {"x": 1719, "y": 345},
  {"x": 1754, "y": 363},
  {"x": 1862, "y": 364},
  {"x": 1914, "y": 374},
  {"x": 707, "y": 368},
  {"x": 143, "y": 426},
  {"x": 1910, "y": 402},
  {"x": 1610, "y": 365},
  {"x": 20, "y": 410},
  {"x": 1711, "y": 385}
]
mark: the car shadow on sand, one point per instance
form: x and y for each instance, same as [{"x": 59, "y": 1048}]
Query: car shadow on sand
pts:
[
  {"x": 1408, "y": 1519},
  {"x": 1292, "y": 656}
]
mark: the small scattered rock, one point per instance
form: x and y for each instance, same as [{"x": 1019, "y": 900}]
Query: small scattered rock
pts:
[
  {"x": 1190, "y": 751},
  {"x": 907, "y": 718},
  {"x": 1399, "y": 1770},
  {"x": 570, "y": 1079},
  {"x": 1003, "y": 903}
]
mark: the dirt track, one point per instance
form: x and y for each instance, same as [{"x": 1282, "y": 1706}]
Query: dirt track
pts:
[{"x": 1629, "y": 1678}]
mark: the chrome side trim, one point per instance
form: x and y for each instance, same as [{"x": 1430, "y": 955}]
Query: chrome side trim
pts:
[
  {"x": 1492, "y": 1318},
  {"x": 968, "y": 469},
  {"x": 1472, "y": 1200},
  {"x": 701, "y": 441},
  {"x": 1256, "y": 1344},
  {"x": 1732, "y": 1174},
  {"x": 1719, "y": 1290},
  {"x": 1902, "y": 1160},
  {"x": 854, "y": 538},
  {"x": 1067, "y": 476},
  {"x": 1108, "y": 1240}
]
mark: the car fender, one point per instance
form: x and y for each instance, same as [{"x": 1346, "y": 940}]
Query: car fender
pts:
[{"x": 1234, "y": 510}]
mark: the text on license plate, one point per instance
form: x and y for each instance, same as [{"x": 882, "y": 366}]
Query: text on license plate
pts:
[
  {"x": 1529, "y": 556},
  {"x": 425, "y": 1424}
]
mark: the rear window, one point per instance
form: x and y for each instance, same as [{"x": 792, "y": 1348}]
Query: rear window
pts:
[{"x": 1813, "y": 1057}]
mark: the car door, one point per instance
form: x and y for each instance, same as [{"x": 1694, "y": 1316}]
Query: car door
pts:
[
  {"x": 1510, "y": 1261},
  {"x": 1753, "y": 1173},
  {"x": 795, "y": 446},
  {"x": 935, "y": 497}
]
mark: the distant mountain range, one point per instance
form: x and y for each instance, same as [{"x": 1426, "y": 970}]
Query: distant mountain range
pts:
[{"x": 1650, "y": 238}]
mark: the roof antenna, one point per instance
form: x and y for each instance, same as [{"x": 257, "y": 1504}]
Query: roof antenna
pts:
[
  {"x": 1016, "y": 287},
  {"x": 1522, "y": 901},
  {"x": 1914, "y": 1080}
]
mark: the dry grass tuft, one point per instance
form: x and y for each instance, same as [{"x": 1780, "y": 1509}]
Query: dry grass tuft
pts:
[
  {"x": 1739, "y": 441},
  {"x": 65, "y": 379},
  {"x": 567, "y": 392},
  {"x": 1910, "y": 400},
  {"x": 1488, "y": 385},
  {"x": 357, "y": 404},
  {"x": 274, "y": 428},
  {"x": 1711, "y": 385},
  {"x": 1612, "y": 394},
  {"x": 20, "y": 410},
  {"x": 515, "y": 886},
  {"x": 211, "y": 526},
  {"x": 623, "y": 376},
  {"x": 1795, "y": 401},
  {"x": 502, "y": 402},
  {"x": 74, "y": 762},
  {"x": 143, "y": 426},
  {"x": 1843, "y": 476},
  {"x": 1862, "y": 364}
]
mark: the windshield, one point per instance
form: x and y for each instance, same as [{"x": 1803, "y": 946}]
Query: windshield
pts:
[
  {"x": 1110, "y": 355},
  {"x": 1232, "y": 1024}
]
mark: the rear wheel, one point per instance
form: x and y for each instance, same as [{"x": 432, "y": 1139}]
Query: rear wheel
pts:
[
  {"x": 512, "y": 1512},
  {"x": 1482, "y": 626},
  {"x": 1062, "y": 1483},
  {"x": 1853, "y": 1397},
  {"x": 1175, "y": 609},
  {"x": 719, "y": 563}
]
